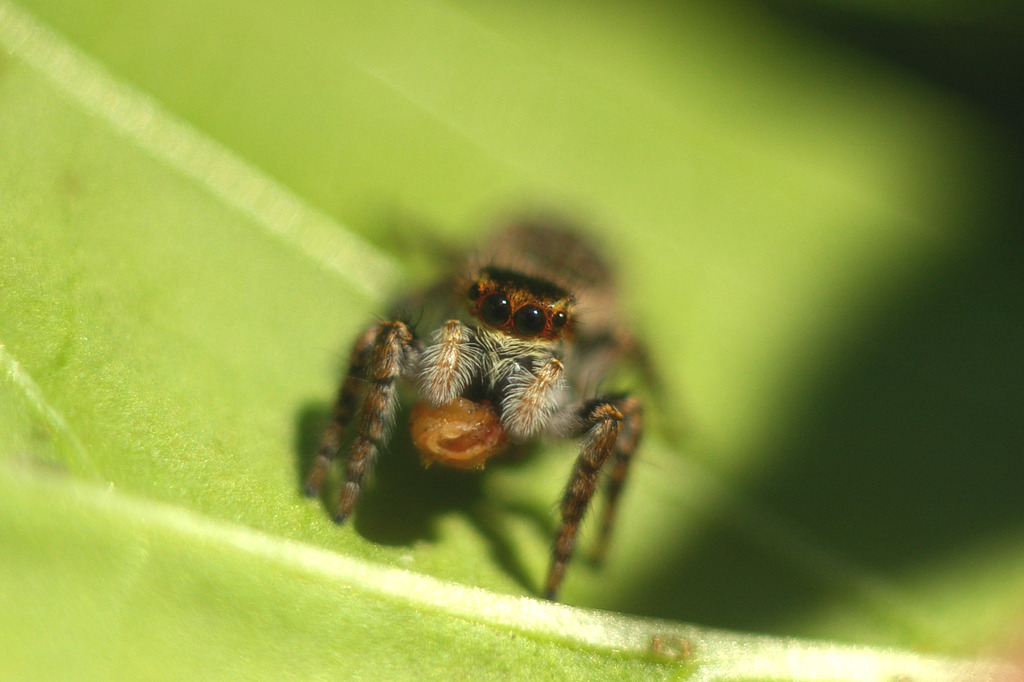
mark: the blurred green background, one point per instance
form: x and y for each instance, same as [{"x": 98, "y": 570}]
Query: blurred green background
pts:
[{"x": 816, "y": 211}]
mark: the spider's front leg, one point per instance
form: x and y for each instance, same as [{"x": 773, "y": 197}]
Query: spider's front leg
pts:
[
  {"x": 611, "y": 429},
  {"x": 625, "y": 446},
  {"x": 383, "y": 354}
]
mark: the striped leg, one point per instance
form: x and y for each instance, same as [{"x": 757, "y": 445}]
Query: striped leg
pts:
[
  {"x": 344, "y": 407},
  {"x": 629, "y": 438},
  {"x": 380, "y": 357},
  {"x": 610, "y": 427}
]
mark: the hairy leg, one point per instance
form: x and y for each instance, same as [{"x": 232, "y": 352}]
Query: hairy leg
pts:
[
  {"x": 345, "y": 407},
  {"x": 629, "y": 439},
  {"x": 601, "y": 423},
  {"x": 380, "y": 357}
]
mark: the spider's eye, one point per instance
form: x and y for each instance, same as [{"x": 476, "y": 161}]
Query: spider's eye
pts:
[
  {"x": 559, "y": 319},
  {"x": 474, "y": 292},
  {"x": 529, "y": 320},
  {"x": 495, "y": 309}
]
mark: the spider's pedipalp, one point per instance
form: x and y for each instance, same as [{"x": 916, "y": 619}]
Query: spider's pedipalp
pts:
[
  {"x": 531, "y": 398},
  {"x": 449, "y": 364}
]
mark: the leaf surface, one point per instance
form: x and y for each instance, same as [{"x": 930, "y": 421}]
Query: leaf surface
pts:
[{"x": 201, "y": 206}]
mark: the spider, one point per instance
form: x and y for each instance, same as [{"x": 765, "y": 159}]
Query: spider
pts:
[{"x": 520, "y": 329}]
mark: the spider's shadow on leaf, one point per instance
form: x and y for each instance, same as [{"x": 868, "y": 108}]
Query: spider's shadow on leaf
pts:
[{"x": 402, "y": 501}]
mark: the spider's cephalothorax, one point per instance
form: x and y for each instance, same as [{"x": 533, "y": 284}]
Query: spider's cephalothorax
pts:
[{"x": 516, "y": 341}]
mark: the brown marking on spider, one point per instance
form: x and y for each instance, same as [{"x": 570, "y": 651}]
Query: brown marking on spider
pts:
[{"x": 514, "y": 346}]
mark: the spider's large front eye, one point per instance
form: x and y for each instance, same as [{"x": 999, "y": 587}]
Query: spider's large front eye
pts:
[
  {"x": 529, "y": 320},
  {"x": 495, "y": 309}
]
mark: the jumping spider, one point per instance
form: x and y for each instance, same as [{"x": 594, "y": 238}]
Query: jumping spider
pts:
[{"x": 520, "y": 330}]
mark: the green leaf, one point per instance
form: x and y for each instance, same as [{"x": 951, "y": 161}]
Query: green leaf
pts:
[{"x": 201, "y": 206}]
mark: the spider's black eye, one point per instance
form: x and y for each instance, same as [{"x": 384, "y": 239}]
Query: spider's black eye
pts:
[
  {"x": 495, "y": 309},
  {"x": 529, "y": 320},
  {"x": 559, "y": 319},
  {"x": 474, "y": 292}
]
